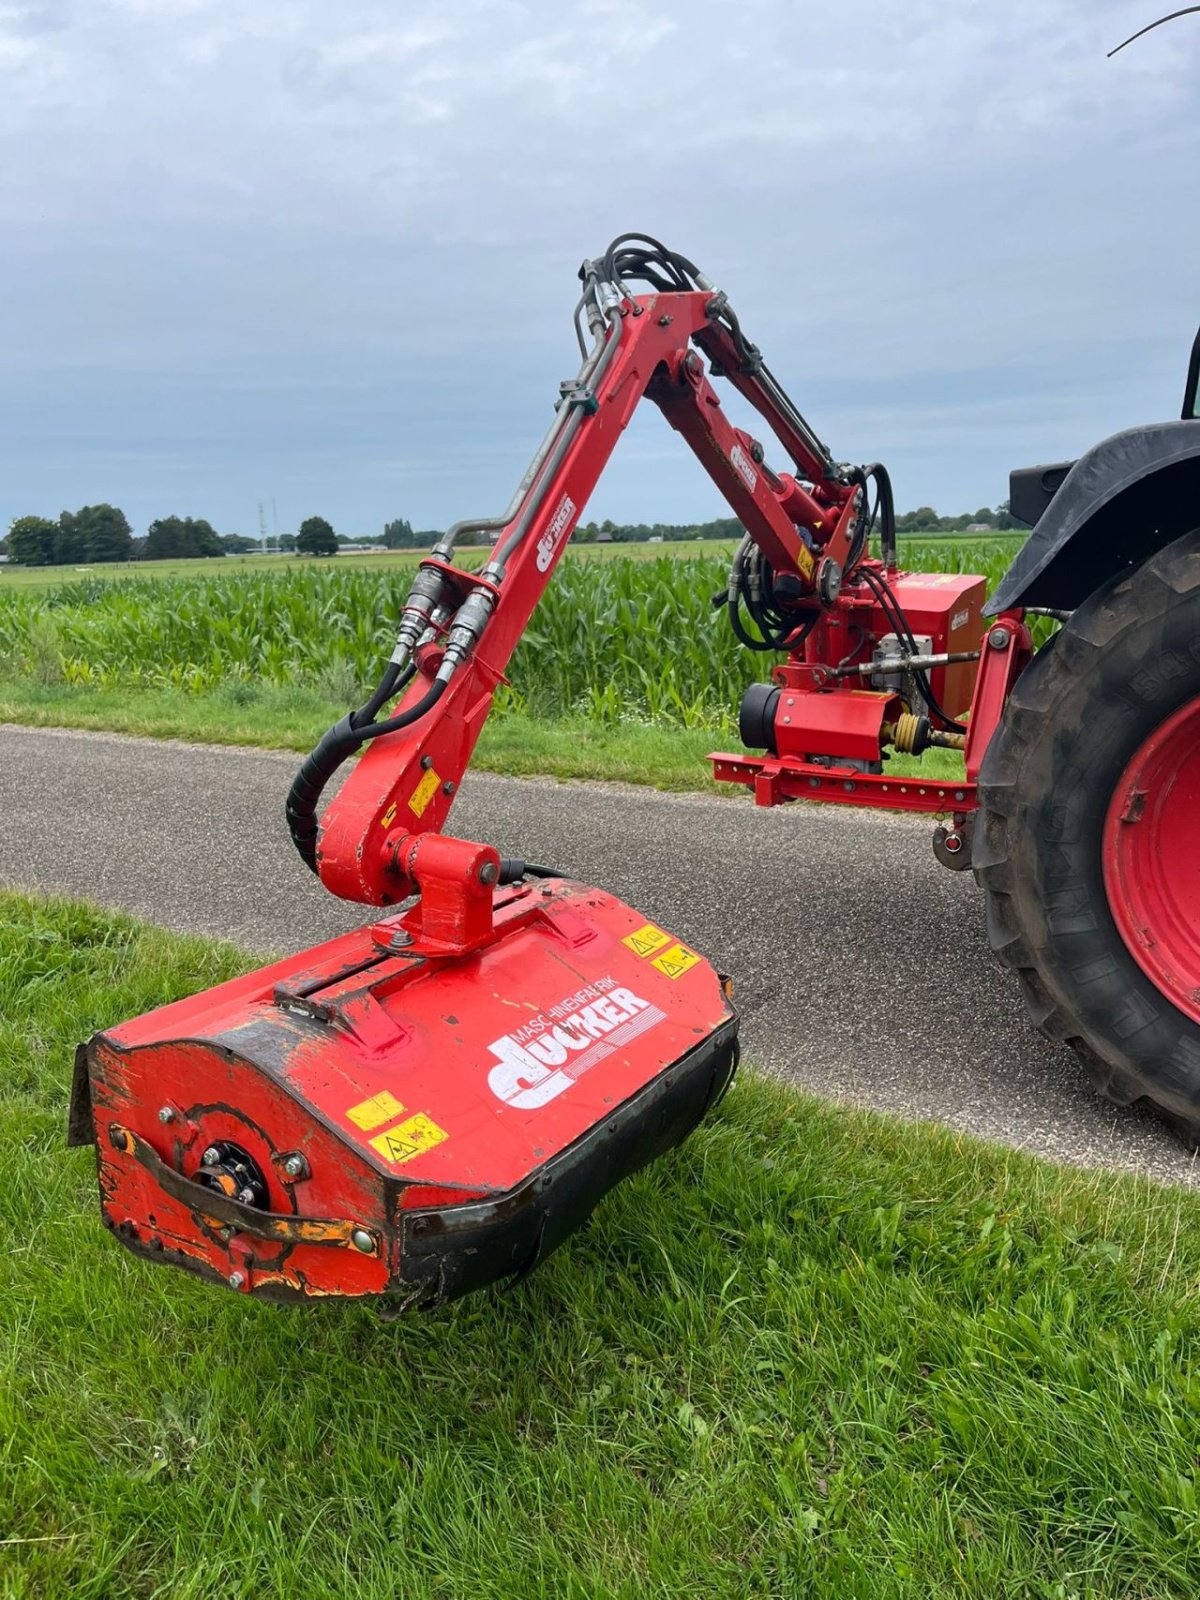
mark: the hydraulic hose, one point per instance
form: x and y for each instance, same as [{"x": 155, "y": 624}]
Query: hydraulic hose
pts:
[{"x": 320, "y": 765}]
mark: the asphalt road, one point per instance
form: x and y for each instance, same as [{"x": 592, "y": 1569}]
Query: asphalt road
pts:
[{"x": 860, "y": 964}]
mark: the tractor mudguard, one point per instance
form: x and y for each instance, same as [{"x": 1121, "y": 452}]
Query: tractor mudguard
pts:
[{"x": 1129, "y": 496}]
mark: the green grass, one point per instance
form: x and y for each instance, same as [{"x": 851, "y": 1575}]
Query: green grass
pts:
[
  {"x": 815, "y": 1353},
  {"x": 567, "y": 748},
  {"x": 294, "y": 719}
]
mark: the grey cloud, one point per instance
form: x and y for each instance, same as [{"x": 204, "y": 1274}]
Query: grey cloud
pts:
[{"x": 329, "y": 253}]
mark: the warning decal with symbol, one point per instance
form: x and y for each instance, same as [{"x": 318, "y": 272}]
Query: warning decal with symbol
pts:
[
  {"x": 676, "y": 961},
  {"x": 424, "y": 793},
  {"x": 409, "y": 1139},
  {"x": 645, "y": 941}
]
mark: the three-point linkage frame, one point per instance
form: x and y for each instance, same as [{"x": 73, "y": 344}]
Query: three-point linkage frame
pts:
[{"x": 803, "y": 583}]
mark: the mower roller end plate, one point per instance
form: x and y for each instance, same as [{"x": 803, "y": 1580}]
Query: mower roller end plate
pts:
[{"x": 368, "y": 1118}]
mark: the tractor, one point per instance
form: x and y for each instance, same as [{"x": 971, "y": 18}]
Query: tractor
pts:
[{"x": 435, "y": 1101}]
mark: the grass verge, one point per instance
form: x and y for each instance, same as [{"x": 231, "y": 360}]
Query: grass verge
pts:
[
  {"x": 814, "y": 1353},
  {"x": 294, "y": 719},
  {"x": 513, "y": 743}
]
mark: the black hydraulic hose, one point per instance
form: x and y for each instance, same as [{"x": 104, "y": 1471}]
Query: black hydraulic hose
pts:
[
  {"x": 331, "y": 750},
  {"x": 885, "y": 507},
  {"x": 513, "y": 867},
  {"x": 388, "y": 685}
]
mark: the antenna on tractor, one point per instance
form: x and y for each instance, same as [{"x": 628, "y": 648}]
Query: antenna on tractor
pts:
[{"x": 1150, "y": 26}]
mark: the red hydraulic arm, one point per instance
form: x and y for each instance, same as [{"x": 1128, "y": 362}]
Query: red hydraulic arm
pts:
[
  {"x": 460, "y": 628},
  {"x": 874, "y": 657}
]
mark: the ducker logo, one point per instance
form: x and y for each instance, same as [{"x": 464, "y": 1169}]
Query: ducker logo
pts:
[
  {"x": 555, "y": 530},
  {"x": 545, "y": 1056}
]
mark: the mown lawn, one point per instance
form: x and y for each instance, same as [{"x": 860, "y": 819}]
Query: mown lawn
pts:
[{"x": 814, "y": 1353}]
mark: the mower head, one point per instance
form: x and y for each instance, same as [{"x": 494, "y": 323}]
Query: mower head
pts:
[{"x": 378, "y": 1117}]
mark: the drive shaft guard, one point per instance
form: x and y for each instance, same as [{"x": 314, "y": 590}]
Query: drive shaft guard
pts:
[{"x": 366, "y": 1118}]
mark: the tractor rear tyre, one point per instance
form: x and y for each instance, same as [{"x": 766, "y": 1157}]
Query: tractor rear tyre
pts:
[{"x": 1087, "y": 843}]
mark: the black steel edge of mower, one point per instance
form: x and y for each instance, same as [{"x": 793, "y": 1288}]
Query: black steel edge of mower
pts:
[{"x": 454, "y": 1250}]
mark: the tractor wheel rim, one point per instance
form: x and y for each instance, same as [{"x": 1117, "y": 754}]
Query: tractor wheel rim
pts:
[{"x": 1152, "y": 858}]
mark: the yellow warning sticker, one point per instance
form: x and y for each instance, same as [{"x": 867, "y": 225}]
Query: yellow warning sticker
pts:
[
  {"x": 645, "y": 941},
  {"x": 424, "y": 793},
  {"x": 676, "y": 961},
  {"x": 409, "y": 1139},
  {"x": 389, "y": 816},
  {"x": 372, "y": 1113}
]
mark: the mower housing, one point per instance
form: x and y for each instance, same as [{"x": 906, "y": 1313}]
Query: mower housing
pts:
[{"x": 370, "y": 1119}]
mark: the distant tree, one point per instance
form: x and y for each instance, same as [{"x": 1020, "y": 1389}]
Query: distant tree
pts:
[
  {"x": 68, "y": 538},
  {"x": 316, "y": 538},
  {"x": 923, "y": 518},
  {"x": 31, "y": 541},
  {"x": 1005, "y": 520},
  {"x": 182, "y": 538},
  {"x": 287, "y": 541},
  {"x": 237, "y": 544},
  {"x": 93, "y": 533},
  {"x": 986, "y": 515},
  {"x": 398, "y": 534}
]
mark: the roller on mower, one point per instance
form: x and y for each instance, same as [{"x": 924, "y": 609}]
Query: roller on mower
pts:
[{"x": 434, "y": 1102}]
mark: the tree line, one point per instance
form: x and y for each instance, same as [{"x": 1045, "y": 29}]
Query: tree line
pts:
[{"x": 100, "y": 533}]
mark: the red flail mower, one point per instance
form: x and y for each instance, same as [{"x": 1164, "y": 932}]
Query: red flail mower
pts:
[{"x": 435, "y": 1101}]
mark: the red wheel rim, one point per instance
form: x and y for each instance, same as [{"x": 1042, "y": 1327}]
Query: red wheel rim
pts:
[{"x": 1152, "y": 858}]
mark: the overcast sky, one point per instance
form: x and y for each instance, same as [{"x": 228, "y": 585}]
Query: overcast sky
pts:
[{"x": 324, "y": 256}]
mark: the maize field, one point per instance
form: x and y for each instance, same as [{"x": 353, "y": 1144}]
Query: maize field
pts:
[{"x": 612, "y": 640}]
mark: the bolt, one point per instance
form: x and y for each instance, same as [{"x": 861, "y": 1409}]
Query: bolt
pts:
[
  {"x": 294, "y": 1166},
  {"x": 448, "y": 787},
  {"x": 664, "y": 322},
  {"x": 998, "y": 638},
  {"x": 692, "y": 361},
  {"x": 362, "y": 1240},
  {"x": 246, "y": 1196},
  {"x": 488, "y": 872},
  {"x": 165, "y": 1114},
  {"x": 236, "y": 1280},
  {"x": 210, "y": 1157},
  {"x": 225, "y": 1234},
  {"x": 426, "y": 762},
  {"x": 756, "y": 450}
]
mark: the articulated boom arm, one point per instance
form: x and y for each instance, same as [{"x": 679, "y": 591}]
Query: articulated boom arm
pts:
[{"x": 459, "y": 629}]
